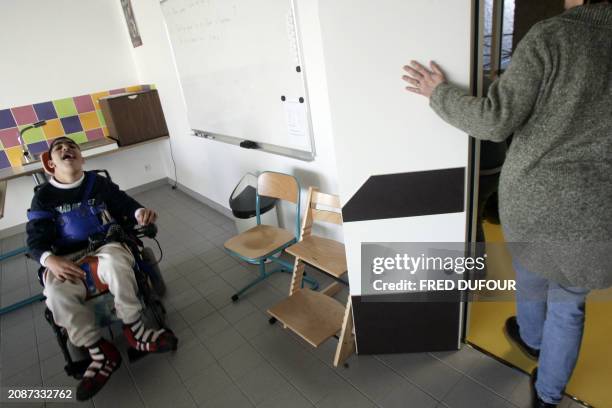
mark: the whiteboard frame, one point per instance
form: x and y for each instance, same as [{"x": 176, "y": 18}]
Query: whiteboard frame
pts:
[
  {"x": 305, "y": 155},
  {"x": 265, "y": 147}
]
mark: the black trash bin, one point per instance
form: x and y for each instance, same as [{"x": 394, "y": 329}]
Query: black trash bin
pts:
[{"x": 242, "y": 203}]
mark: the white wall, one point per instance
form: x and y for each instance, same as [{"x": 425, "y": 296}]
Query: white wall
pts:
[
  {"x": 213, "y": 168},
  {"x": 64, "y": 48}
]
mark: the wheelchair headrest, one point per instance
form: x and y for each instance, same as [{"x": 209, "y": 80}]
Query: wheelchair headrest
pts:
[{"x": 44, "y": 159}]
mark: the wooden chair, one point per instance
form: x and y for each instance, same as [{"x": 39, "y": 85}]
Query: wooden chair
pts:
[
  {"x": 317, "y": 316},
  {"x": 265, "y": 242}
]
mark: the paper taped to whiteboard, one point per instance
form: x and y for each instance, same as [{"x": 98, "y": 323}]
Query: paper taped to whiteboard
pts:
[{"x": 297, "y": 122}]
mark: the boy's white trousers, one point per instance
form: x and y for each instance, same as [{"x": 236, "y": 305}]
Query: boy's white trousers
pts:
[{"x": 66, "y": 300}]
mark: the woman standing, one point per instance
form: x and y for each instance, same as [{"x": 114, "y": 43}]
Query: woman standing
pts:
[{"x": 555, "y": 190}]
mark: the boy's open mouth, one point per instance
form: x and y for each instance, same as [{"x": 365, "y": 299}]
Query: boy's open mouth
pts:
[{"x": 68, "y": 156}]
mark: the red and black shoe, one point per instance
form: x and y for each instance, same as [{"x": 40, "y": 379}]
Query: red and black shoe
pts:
[
  {"x": 105, "y": 359},
  {"x": 148, "y": 340}
]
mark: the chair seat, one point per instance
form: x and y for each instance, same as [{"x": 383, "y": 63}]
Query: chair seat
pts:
[
  {"x": 323, "y": 253},
  {"x": 259, "y": 241},
  {"x": 312, "y": 315}
]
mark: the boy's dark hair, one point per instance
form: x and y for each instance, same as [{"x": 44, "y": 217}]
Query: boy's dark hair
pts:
[
  {"x": 597, "y": 1},
  {"x": 61, "y": 139}
]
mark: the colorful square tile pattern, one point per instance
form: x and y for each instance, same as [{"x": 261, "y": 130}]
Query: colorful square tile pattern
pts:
[
  {"x": 45, "y": 111},
  {"x": 94, "y": 134},
  {"x": 4, "y": 161},
  {"x": 6, "y": 119},
  {"x": 9, "y": 137},
  {"x": 15, "y": 156},
  {"x": 71, "y": 124},
  {"x": 101, "y": 118},
  {"x": 65, "y": 107},
  {"x": 79, "y": 137},
  {"x": 39, "y": 147},
  {"x": 53, "y": 129},
  {"x": 24, "y": 115},
  {"x": 89, "y": 120},
  {"x": 78, "y": 117},
  {"x": 32, "y": 135},
  {"x": 84, "y": 103}
]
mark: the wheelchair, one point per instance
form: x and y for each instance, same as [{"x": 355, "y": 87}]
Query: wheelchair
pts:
[{"x": 151, "y": 288}]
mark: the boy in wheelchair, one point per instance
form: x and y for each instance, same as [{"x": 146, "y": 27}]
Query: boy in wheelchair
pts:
[{"x": 65, "y": 213}]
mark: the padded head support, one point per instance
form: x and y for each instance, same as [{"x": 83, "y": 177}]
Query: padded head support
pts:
[{"x": 44, "y": 159}]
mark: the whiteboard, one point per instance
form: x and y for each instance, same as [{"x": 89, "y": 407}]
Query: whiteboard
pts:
[{"x": 241, "y": 70}]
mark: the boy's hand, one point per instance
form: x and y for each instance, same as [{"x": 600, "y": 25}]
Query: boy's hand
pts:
[
  {"x": 63, "y": 269},
  {"x": 146, "y": 216}
]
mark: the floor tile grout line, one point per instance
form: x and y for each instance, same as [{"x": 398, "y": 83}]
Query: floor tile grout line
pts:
[
  {"x": 305, "y": 350},
  {"x": 516, "y": 368},
  {"x": 333, "y": 370},
  {"x": 133, "y": 379},
  {"x": 462, "y": 373},
  {"x": 271, "y": 363},
  {"x": 192, "y": 205},
  {"x": 218, "y": 360},
  {"x": 252, "y": 346},
  {"x": 486, "y": 387},
  {"x": 416, "y": 385},
  {"x": 467, "y": 375},
  {"x": 42, "y": 380},
  {"x": 129, "y": 371}
]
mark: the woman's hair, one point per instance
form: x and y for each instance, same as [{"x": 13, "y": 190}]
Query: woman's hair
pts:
[{"x": 597, "y": 1}]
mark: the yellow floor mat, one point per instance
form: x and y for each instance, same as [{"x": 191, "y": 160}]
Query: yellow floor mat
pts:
[{"x": 592, "y": 378}]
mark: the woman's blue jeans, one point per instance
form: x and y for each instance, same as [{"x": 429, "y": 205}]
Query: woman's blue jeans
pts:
[{"x": 551, "y": 319}]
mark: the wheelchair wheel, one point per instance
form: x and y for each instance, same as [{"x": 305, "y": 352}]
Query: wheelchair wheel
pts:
[{"x": 157, "y": 280}]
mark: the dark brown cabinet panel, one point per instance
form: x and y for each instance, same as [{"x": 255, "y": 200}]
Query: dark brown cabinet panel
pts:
[{"x": 134, "y": 117}]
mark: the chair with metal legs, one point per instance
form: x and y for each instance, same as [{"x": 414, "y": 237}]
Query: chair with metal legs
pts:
[{"x": 265, "y": 242}]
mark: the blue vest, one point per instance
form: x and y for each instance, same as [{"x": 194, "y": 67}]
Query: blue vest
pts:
[{"x": 78, "y": 224}]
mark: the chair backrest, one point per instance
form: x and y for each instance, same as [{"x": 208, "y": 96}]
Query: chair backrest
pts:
[
  {"x": 321, "y": 207},
  {"x": 325, "y": 207},
  {"x": 283, "y": 187},
  {"x": 278, "y": 185}
]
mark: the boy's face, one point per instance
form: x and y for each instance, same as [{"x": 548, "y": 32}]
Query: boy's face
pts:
[{"x": 66, "y": 156}]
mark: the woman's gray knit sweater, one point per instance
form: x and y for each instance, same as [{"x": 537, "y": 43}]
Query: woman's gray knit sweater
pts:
[{"x": 556, "y": 183}]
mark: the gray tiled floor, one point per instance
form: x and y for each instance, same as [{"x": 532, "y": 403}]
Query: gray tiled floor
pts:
[{"x": 229, "y": 356}]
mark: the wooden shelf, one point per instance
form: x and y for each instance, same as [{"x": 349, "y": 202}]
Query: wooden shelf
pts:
[
  {"x": 312, "y": 315},
  {"x": 10, "y": 173},
  {"x": 87, "y": 148}
]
